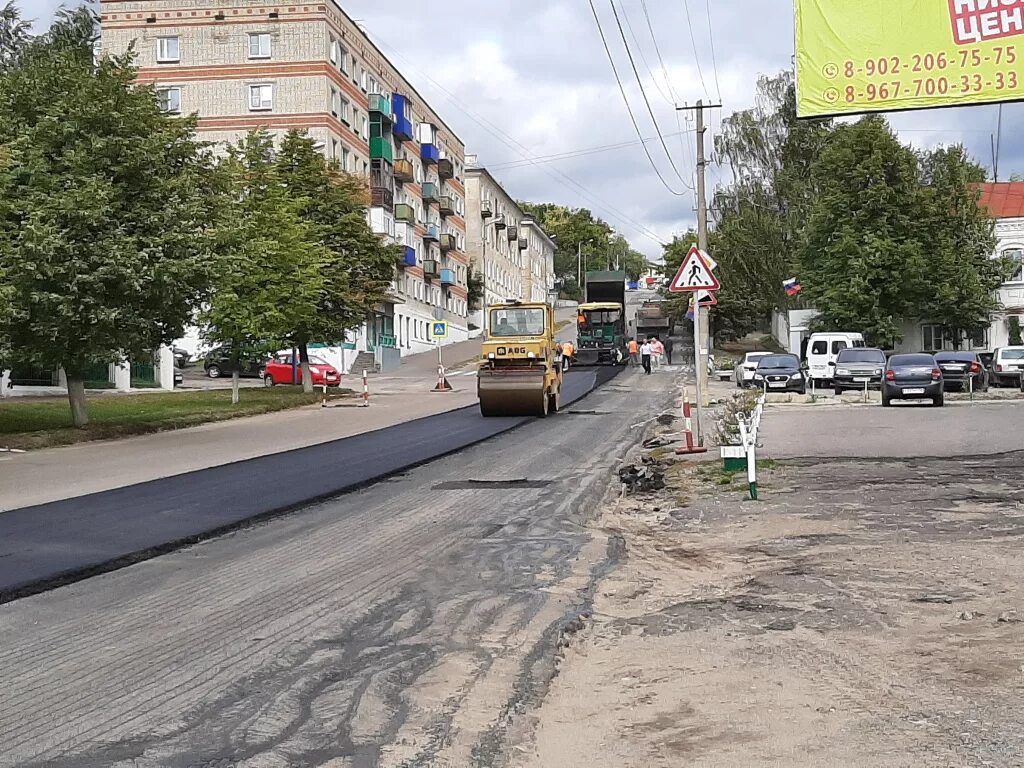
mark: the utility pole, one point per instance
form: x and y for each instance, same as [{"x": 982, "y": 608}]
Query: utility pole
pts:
[{"x": 701, "y": 324}]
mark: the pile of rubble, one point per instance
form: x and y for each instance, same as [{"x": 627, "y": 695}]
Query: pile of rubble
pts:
[{"x": 645, "y": 477}]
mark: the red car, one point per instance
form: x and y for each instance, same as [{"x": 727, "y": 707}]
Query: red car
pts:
[{"x": 279, "y": 371}]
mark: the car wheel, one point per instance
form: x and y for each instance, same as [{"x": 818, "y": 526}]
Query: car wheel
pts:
[
  {"x": 268, "y": 381},
  {"x": 838, "y": 391},
  {"x": 938, "y": 401},
  {"x": 886, "y": 402},
  {"x": 213, "y": 371},
  {"x": 802, "y": 391}
]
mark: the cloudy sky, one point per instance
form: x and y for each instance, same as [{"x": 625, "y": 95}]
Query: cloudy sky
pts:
[{"x": 522, "y": 80}]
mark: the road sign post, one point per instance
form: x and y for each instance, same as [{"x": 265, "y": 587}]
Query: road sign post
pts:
[
  {"x": 439, "y": 330},
  {"x": 695, "y": 276}
]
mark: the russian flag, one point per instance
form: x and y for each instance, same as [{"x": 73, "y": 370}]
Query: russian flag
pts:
[{"x": 792, "y": 286}]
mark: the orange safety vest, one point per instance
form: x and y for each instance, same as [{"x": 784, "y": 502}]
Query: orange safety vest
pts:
[
  {"x": 568, "y": 349},
  {"x": 633, "y": 347},
  {"x": 581, "y": 318}
]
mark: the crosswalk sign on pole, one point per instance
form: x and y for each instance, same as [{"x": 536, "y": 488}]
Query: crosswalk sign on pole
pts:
[
  {"x": 439, "y": 329},
  {"x": 694, "y": 274}
]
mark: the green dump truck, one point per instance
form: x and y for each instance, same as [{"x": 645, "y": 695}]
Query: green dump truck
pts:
[{"x": 601, "y": 321}]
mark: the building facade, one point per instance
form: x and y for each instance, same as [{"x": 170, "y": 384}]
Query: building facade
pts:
[
  {"x": 262, "y": 64},
  {"x": 510, "y": 251}
]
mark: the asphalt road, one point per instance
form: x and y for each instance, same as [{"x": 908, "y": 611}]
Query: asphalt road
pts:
[
  {"x": 904, "y": 430},
  {"x": 399, "y": 625},
  {"x": 48, "y": 544}
]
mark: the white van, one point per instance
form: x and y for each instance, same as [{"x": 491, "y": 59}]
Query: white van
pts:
[{"x": 824, "y": 348}]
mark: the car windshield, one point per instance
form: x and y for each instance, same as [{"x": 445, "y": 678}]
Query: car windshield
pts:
[
  {"x": 602, "y": 317},
  {"x": 959, "y": 357},
  {"x": 753, "y": 357},
  {"x": 861, "y": 356},
  {"x": 517, "y": 321},
  {"x": 778, "y": 361},
  {"x": 1013, "y": 354},
  {"x": 897, "y": 360}
]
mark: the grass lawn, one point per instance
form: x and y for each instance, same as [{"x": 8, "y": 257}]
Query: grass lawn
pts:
[{"x": 43, "y": 422}]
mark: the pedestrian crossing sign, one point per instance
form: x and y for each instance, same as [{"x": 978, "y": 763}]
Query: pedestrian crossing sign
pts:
[
  {"x": 694, "y": 274},
  {"x": 439, "y": 329}
]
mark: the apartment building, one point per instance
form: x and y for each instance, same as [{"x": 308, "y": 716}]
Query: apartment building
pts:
[
  {"x": 509, "y": 250},
  {"x": 245, "y": 64}
]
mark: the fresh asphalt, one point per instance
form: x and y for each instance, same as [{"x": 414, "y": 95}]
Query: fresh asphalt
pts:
[{"x": 60, "y": 542}]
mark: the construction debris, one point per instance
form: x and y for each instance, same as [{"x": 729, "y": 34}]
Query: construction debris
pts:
[{"x": 646, "y": 476}]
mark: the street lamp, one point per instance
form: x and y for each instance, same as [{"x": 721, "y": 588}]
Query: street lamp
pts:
[{"x": 579, "y": 264}]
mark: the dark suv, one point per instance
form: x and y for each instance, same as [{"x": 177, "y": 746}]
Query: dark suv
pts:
[
  {"x": 218, "y": 363},
  {"x": 857, "y": 366}
]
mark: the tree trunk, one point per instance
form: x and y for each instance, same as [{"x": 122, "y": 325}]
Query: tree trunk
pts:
[
  {"x": 235, "y": 379},
  {"x": 76, "y": 397},
  {"x": 307, "y": 375}
]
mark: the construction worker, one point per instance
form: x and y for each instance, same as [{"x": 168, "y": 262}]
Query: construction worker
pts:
[
  {"x": 581, "y": 320},
  {"x": 669, "y": 344},
  {"x": 568, "y": 350},
  {"x": 634, "y": 353}
]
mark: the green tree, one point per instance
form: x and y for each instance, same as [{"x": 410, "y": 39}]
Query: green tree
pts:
[
  {"x": 359, "y": 267},
  {"x": 959, "y": 237},
  {"x": 271, "y": 278},
  {"x": 106, "y": 206},
  {"x": 865, "y": 264},
  {"x": 577, "y": 232},
  {"x": 1016, "y": 339}
]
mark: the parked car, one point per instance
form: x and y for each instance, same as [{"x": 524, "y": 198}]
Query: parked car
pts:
[
  {"x": 780, "y": 373},
  {"x": 279, "y": 370},
  {"x": 912, "y": 377},
  {"x": 962, "y": 370},
  {"x": 824, "y": 348},
  {"x": 1007, "y": 366},
  {"x": 182, "y": 357},
  {"x": 179, "y": 377},
  {"x": 743, "y": 372},
  {"x": 218, "y": 363},
  {"x": 856, "y": 366}
]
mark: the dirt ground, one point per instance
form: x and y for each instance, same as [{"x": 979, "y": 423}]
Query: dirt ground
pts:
[{"x": 867, "y": 615}]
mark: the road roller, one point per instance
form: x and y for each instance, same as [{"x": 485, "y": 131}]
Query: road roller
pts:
[{"x": 519, "y": 374}]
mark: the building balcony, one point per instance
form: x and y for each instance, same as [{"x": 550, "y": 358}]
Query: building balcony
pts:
[
  {"x": 499, "y": 223},
  {"x": 445, "y": 168},
  {"x": 523, "y": 243},
  {"x": 382, "y": 222},
  {"x": 446, "y": 205},
  {"x": 432, "y": 234},
  {"x": 382, "y": 198},
  {"x": 404, "y": 171},
  {"x": 381, "y": 175},
  {"x": 382, "y": 148},
  {"x": 430, "y": 192},
  {"x": 448, "y": 243},
  {"x": 431, "y": 268},
  {"x": 513, "y": 233},
  {"x": 485, "y": 209},
  {"x": 429, "y": 153},
  {"x": 448, "y": 277},
  {"x": 402, "y": 129},
  {"x": 379, "y": 105},
  {"x": 404, "y": 212},
  {"x": 407, "y": 257}
]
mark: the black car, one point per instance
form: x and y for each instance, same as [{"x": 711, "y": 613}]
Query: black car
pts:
[
  {"x": 962, "y": 371},
  {"x": 218, "y": 363},
  {"x": 780, "y": 373},
  {"x": 912, "y": 377},
  {"x": 857, "y": 366}
]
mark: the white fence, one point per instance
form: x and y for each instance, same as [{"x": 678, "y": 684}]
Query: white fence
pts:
[{"x": 749, "y": 426}]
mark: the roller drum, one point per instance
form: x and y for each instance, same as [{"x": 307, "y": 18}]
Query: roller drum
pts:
[{"x": 512, "y": 393}]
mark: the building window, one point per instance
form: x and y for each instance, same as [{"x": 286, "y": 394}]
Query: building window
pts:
[
  {"x": 168, "y": 49},
  {"x": 343, "y": 59},
  {"x": 366, "y": 128},
  {"x": 261, "y": 97},
  {"x": 931, "y": 337},
  {"x": 169, "y": 100},
  {"x": 979, "y": 339},
  {"x": 334, "y": 51},
  {"x": 1016, "y": 255},
  {"x": 364, "y": 81},
  {"x": 344, "y": 159},
  {"x": 259, "y": 45},
  {"x": 343, "y": 112},
  {"x": 334, "y": 149}
]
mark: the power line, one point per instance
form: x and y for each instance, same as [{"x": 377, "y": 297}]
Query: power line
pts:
[
  {"x": 657, "y": 49},
  {"x": 525, "y": 153},
  {"x": 640, "y": 49},
  {"x": 714, "y": 62},
  {"x": 581, "y": 152},
  {"x": 693, "y": 42},
  {"x": 643, "y": 93}
]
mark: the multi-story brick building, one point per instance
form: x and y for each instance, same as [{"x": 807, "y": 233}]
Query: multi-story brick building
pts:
[
  {"x": 245, "y": 64},
  {"x": 509, "y": 250}
]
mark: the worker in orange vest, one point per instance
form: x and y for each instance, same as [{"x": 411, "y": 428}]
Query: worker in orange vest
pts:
[
  {"x": 568, "y": 350},
  {"x": 634, "y": 353}
]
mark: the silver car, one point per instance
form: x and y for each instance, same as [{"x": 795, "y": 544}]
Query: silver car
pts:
[{"x": 743, "y": 373}]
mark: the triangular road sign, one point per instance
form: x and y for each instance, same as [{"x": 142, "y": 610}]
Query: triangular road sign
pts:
[{"x": 694, "y": 274}]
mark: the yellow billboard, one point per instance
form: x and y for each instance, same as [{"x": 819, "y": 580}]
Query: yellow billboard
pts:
[{"x": 877, "y": 55}]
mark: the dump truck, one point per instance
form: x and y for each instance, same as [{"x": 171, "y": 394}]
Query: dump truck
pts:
[
  {"x": 519, "y": 374},
  {"x": 601, "y": 322},
  {"x": 653, "y": 319}
]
